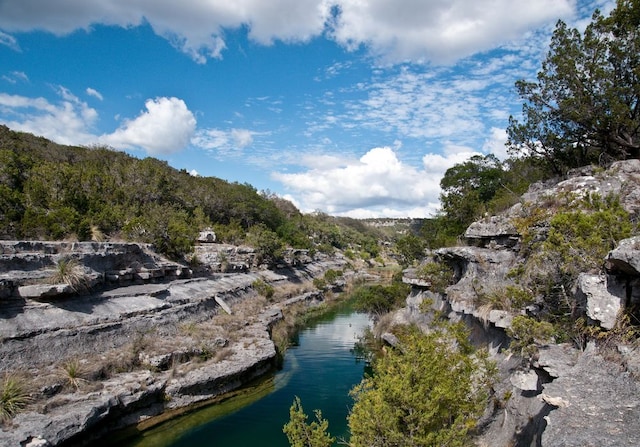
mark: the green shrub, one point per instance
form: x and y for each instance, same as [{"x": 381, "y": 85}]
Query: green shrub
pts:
[
  {"x": 300, "y": 433},
  {"x": 526, "y": 333},
  {"x": 378, "y": 299},
  {"x": 264, "y": 289},
  {"x": 429, "y": 392},
  {"x": 438, "y": 274}
]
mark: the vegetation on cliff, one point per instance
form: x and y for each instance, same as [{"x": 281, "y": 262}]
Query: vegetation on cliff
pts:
[{"x": 583, "y": 108}]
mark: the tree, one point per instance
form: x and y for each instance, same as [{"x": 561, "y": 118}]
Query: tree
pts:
[
  {"x": 302, "y": 434},
  {"x": 584, "y": 106},
  {"x": 467, "y": 187},
  {"x": 429, "y": 392}
]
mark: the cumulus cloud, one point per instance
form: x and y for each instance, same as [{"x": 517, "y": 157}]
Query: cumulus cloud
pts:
[
  {"x": 66, "y": 121},
  {"x": 165, "y": 127},
  {"x": 441, "y": 31},
  {"x": 395, "y": 30},
  {"x": 496, "y": 143},
  {"x": 377, "y": 184}
]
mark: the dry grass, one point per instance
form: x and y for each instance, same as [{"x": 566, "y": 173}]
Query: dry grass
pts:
[
  {"x": 69, "y": 271},
  {"x": 74, "y": 373},
  {"x": 13, "y": 397}
]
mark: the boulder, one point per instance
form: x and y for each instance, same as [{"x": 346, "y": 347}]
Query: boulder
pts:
[
  {"x": 625, "y": 258},
  {"x": 525, "y": 380},
  {"x": 494, "y": 231},
  {"x": 556, "y": 360},
  {"x": 601, "y": 304}
]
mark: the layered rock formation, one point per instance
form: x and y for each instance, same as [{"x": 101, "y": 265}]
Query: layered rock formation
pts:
[
  {"x": 565, "y": 395},
  {"x": 137, "y": 336}
]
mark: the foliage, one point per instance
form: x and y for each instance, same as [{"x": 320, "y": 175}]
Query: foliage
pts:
[
  {"x": 300, "y": 433},
  {"x": 266, "y": 242},
  {"x": 470, "y": 189},
  {"x": 13, "y": 398},
  {"x": 526, "y": 332},
  {"x": 429, "y": 392},
  {"x": 380, "y": 299},
  {"x": 409, "y": 248},
  {"x": 467, "y": 187},
  {"x": 264, "y": 289},
  {"x": 579, "y": 234},
  {"x": 73, "y": 373},
  {"x": 510, "y": 298},
  {"x": 583, "y": 107},
  {"x": 438, "y": 274}
]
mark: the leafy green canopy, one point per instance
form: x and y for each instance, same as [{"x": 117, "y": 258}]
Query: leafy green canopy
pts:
[
  {"x": 583, "y": 107},
  {"x": 430, "y": 392}
]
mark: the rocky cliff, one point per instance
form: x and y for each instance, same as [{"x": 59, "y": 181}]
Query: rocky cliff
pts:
[
  {"x": 577, "y": 385},
  {"x": 106, "y": 335}
]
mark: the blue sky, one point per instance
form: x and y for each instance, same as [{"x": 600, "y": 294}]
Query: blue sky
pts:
[{"x": 352, "y": 107}]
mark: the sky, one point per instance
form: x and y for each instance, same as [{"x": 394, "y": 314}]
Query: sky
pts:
[{"x": 350, "y": 107}]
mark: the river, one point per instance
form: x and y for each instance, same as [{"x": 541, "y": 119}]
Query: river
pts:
[{"x": 320, "y": 368}]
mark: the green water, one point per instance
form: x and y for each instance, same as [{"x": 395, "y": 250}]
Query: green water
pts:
[{"x": 321, "y": 369}]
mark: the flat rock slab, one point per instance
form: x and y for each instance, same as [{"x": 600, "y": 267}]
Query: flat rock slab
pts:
[{"x": 598, "y": 406}]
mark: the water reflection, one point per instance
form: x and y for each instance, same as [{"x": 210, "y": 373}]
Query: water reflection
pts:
[{"x": 321, "y": 370}]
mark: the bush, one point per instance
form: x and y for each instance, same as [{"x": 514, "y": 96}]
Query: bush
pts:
[
  {"x": 526, "y": 333},
  {"x": 429, "y": 392},
  {"x": 264, "y": 289},
  {"x": 13, "y": 398},
  {"x": 379, "y": 299},
  {"x": 300, "y": 433},
  {"x": 438, "y": 274}
]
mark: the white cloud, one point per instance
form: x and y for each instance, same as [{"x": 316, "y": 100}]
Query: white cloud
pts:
[
  {"x": 165, "y": 127},
  {"x": 396, "y": 30},
  {"x": 95, "y": 93},
  {"x": 66, "y": 122},
  {"x": 9, "y": 41},
  {"x": 378, "y": 184},
  {"x": 496, "y": 143},
  {"x": 441, "y": 31},
  {"x": 223, "y": 142}
]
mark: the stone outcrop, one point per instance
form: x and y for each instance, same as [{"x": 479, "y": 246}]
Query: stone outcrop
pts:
[
  {"x": 565, "y": 395},
  {"x": 596, "y": 404},
  {"x": 141, "y": 313}
]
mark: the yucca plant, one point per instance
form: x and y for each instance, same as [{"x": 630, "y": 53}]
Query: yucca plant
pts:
[
  {"x": 74, "y": 373},
  {"x": 69, "y": 271}
]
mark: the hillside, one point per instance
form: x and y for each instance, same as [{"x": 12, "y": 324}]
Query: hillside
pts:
[{"x": 54, "y": 192}]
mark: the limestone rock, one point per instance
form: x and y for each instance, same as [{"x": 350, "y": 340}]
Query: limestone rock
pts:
[
  {"x": 496, "y": 231},
  {"x": 625, "y": 258},
  {"x": 597, "y": 405},
  {"x": 556, "y": 360},
  {"x": 601, "y": 305},
  {"x": 525, "y": 380},
  {"x": 43, "y": 291},
  {"x": 207, "y": 236}
]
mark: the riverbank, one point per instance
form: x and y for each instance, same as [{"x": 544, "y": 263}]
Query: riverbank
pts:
[{"x": 117, "y": 357}]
